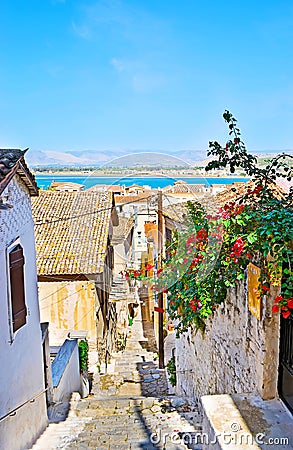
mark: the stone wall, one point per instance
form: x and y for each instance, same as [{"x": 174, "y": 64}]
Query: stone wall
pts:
[{"x": 236, "y": 354}]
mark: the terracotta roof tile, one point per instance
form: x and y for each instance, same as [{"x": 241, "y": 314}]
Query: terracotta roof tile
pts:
[
  {"x": 184, "y": 188},
  {"x": 179, "y": 211},
  {"x": 71, "y": 231},
  {"x": 121, "y": 232},
  {"x": 143, "y": 197},
  {"x": 238, "y": 190}
]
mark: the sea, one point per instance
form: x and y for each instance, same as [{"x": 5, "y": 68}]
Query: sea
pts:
[{"x": 44, "y": 181}]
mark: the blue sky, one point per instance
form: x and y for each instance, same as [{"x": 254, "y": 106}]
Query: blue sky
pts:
[{"x": 150, "y": 75}]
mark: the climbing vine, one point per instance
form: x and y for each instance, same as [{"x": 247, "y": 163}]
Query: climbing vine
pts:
[
  {"x": 83, "y": 348},
  {"x": 256, "y": 225}
]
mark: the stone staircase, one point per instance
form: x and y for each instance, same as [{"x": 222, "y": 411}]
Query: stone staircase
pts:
[
  {"x": 129, "y": 408},
  {"x": 119, "y": 289}
]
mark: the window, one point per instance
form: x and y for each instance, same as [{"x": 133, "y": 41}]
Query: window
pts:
[{"x": 17, "y": 293}]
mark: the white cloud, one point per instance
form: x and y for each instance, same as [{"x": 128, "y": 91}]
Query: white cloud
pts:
[
  {"x": 82, "y": 31},
  {"x": 118, "y": 64}
]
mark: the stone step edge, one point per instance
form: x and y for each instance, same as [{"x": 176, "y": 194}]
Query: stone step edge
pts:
[{"x": 138, "y": 397}]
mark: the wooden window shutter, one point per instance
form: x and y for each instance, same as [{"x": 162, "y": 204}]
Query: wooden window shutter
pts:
[{"x": 19, "y": 311}]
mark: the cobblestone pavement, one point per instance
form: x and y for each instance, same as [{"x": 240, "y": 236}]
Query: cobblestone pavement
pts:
[{"x": 128, "y": 408}]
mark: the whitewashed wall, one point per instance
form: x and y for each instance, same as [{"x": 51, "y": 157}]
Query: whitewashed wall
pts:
[
  {"x": 65, "y": 371},
  {"x": 21, "y": 369}
]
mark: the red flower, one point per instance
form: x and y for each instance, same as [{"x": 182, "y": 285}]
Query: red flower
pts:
[
  {"x": 265, "y": 288},
  {"x": 257, "y": 190},
  {"x": 290, "y": 303},
  {"x": 202, "y": 234},
  {"x": 149, "y": 267},
  {"x": 275, "y": 308},
  {"x": 278, "y": 299},
  {"x": 238, "y": 210},
  {"x": 238, "y": 247},
  {"x": 225, "y": 215},
  {"x": 286, "y": 314},
  {"x": 136, "y": 273},
  {"x": 193, "y": 305}
]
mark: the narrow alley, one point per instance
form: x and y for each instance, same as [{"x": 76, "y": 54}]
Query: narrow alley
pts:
[{"x": 129, "y": 407}]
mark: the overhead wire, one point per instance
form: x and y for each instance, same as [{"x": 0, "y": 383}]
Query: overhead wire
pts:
[
  {"x": 88, "y": 213},
  {"x": 61, "y": 300},
  {"x": 72, "y": 217}
]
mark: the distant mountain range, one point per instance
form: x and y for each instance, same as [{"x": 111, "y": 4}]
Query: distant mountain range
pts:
[{"x": 120, "y": 158}]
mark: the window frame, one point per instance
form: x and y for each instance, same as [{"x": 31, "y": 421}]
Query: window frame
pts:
[{"x": 9, "y": 249}]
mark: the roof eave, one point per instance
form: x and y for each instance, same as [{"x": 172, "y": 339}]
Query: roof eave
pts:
[{"x": 22, "y": 170}]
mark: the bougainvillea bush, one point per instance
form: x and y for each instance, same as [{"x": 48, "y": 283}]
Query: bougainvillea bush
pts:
[{"x": 213, "y": 251}]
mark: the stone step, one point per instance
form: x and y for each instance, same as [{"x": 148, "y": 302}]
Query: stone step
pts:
[{"x": 129, "y": 408}]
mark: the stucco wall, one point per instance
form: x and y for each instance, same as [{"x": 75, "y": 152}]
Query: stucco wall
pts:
[
  {"x": 236, "y": 354},
  {"x": 21, "y": 369},
  {"x": 19, "y": 432},
  {"x": 65, "y": 371},
  {"x": 68, "y": 305}
]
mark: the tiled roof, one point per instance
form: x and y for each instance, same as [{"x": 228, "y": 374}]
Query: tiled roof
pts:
[
  {"x": 107, "y": 187},
  {"x": 238, "y": 190},
  {"x": 143, "y": 197},
  {"x": 115, "y": 188},
  {"x": 71, "y": 231},
  {"x": 63, "y": 184},
  {"x": 121, "y": 232},
  {"x": 12, "y": 162},
  {"x": 179, "y": 211},
  {"x": 184, "y": 188}
]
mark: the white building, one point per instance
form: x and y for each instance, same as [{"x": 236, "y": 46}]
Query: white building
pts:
[
  {"x": 142, "y": 207},
  {"x": 23, "y": 414}
]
